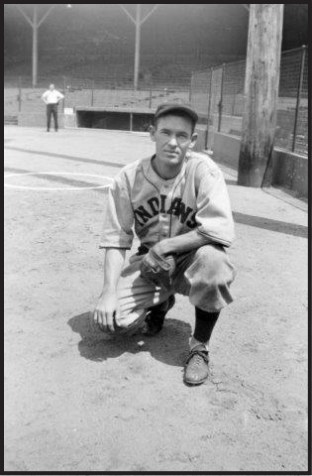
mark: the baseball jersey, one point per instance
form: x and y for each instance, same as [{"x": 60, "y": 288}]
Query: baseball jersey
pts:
[
  {"x": 139, "y": 201},
  {"x": 52, "y": 97}
]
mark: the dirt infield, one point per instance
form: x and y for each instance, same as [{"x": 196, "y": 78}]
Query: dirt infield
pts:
[{"x": 76, "y": 400}]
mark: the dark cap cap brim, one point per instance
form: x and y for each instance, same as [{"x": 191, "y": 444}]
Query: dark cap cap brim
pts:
[{"x": 169, "y": 107}]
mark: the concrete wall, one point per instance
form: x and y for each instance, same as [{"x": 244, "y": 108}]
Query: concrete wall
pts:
[
  {"x": 291, "y": 171},
  {"x": 37, "y": 119},
  {"x": 70, "y": 120},
  {"x": 226, "y": 148},
  {"x": 288, "y": 169}
]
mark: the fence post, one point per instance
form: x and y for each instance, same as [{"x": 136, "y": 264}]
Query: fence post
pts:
[
  {"x": 64, "y": 92},
  {"x": 299, "y": 90},
  {"x": 150, "y": 95},
  {"x": 209, "y": 107},
  {"x": 220, "y": 105},
  {"x": 233, "y": 104},
  {"x": 92, "y": 93},
  {"x": 19, "y": 94},
  {"x": 191, "y": 87}
]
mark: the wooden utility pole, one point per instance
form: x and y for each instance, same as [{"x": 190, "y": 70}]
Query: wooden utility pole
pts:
[{"x": 261, "y": 91}]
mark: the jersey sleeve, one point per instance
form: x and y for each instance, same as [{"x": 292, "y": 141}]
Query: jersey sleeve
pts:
[
  {"x": 214, "y": 215},
  {"x": 118, "y": 216}
]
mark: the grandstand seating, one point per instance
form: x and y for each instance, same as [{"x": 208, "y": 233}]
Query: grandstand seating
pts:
[
  {"x": 31, "y": 98},
  {"x": 114, "y": 70}
]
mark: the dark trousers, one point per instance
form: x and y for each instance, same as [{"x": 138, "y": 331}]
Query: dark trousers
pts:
[{"x": 52, "y": 111}]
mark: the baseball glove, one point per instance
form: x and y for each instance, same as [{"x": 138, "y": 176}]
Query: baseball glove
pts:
[{"x": 158, "y": 270}]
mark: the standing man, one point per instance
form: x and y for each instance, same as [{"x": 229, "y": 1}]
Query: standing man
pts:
[
  {"x": 51, "y": 98},
  {"x": 178, "y": 205}
]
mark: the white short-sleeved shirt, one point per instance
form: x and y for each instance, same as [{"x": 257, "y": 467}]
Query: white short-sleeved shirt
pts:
[{"x": 52, "y": 97}]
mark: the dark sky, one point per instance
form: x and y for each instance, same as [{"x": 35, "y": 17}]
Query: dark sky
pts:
[{"x": 216, "y": 28}]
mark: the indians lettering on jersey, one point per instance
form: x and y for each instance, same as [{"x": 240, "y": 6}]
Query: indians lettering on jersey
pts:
[
  {"x": 154, "y": 206},
  {"x": 139, "y": 201}
]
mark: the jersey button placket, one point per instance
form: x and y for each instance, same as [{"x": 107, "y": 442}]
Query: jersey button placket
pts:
[{"x": 164, "y": 217}]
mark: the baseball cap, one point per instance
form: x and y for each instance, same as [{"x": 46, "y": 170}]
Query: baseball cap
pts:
[{"x": 167, "y": 107}]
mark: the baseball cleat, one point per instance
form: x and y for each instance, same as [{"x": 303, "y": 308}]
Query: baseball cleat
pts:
[
  {"x": 155, "y": 318},
  {"x": 196, "y": 368}
]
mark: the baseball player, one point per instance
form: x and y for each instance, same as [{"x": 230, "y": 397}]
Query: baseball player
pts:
[
  {"x": 51, "y": 98},
  {"x": 177, "y": 204}
]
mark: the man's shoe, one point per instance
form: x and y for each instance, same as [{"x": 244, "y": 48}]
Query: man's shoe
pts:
[
  {"x": 155, "y": 318},
  {"x": 196, "y": 368}
]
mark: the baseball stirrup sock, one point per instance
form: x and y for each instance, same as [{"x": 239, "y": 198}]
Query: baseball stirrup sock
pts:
[{"x": 204, "y": 324}]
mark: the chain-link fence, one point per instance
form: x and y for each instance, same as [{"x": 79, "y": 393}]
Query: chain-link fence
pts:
[{"x": 218, "y": 96}]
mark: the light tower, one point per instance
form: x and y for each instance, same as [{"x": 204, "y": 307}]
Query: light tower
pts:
[{"x": 35, "y": 22}]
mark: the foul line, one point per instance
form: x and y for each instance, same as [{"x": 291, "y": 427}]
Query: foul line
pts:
[{"x": 45, "y": 189}]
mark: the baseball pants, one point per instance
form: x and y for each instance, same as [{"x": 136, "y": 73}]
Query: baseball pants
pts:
[
  {"x": 204, "y": 275},
  {"x": 52, "y": 111}
]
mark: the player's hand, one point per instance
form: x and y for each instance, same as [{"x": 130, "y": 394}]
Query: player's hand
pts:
[
  {"x": 106, "y": 311},
  {"x": 162, "y": 249}
]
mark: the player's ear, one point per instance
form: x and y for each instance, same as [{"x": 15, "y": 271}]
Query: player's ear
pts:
[
  {"x": 193, "y": 140},
  {"x": 152, "y": 131}
]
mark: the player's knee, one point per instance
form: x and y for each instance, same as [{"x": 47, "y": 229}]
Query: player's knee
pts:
[
  {"x": 211, "y": 256},
  {"x": 214, "y": 264}
]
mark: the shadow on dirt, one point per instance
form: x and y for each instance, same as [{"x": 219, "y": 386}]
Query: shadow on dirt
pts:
[
  {"x": 64, "y": 156},
  {"x": 271, "y": 225},
  {"x": 170, "y": 346}
]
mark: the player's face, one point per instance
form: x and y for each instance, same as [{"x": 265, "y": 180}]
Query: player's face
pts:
[{"x": 173, "y": 136}]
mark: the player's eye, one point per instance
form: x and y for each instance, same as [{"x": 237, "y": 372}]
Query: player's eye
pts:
[{"x": 182, "y": 138}]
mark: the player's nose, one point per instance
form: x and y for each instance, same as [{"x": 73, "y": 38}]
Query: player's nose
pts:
[{"x": 173, "y": 141}]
